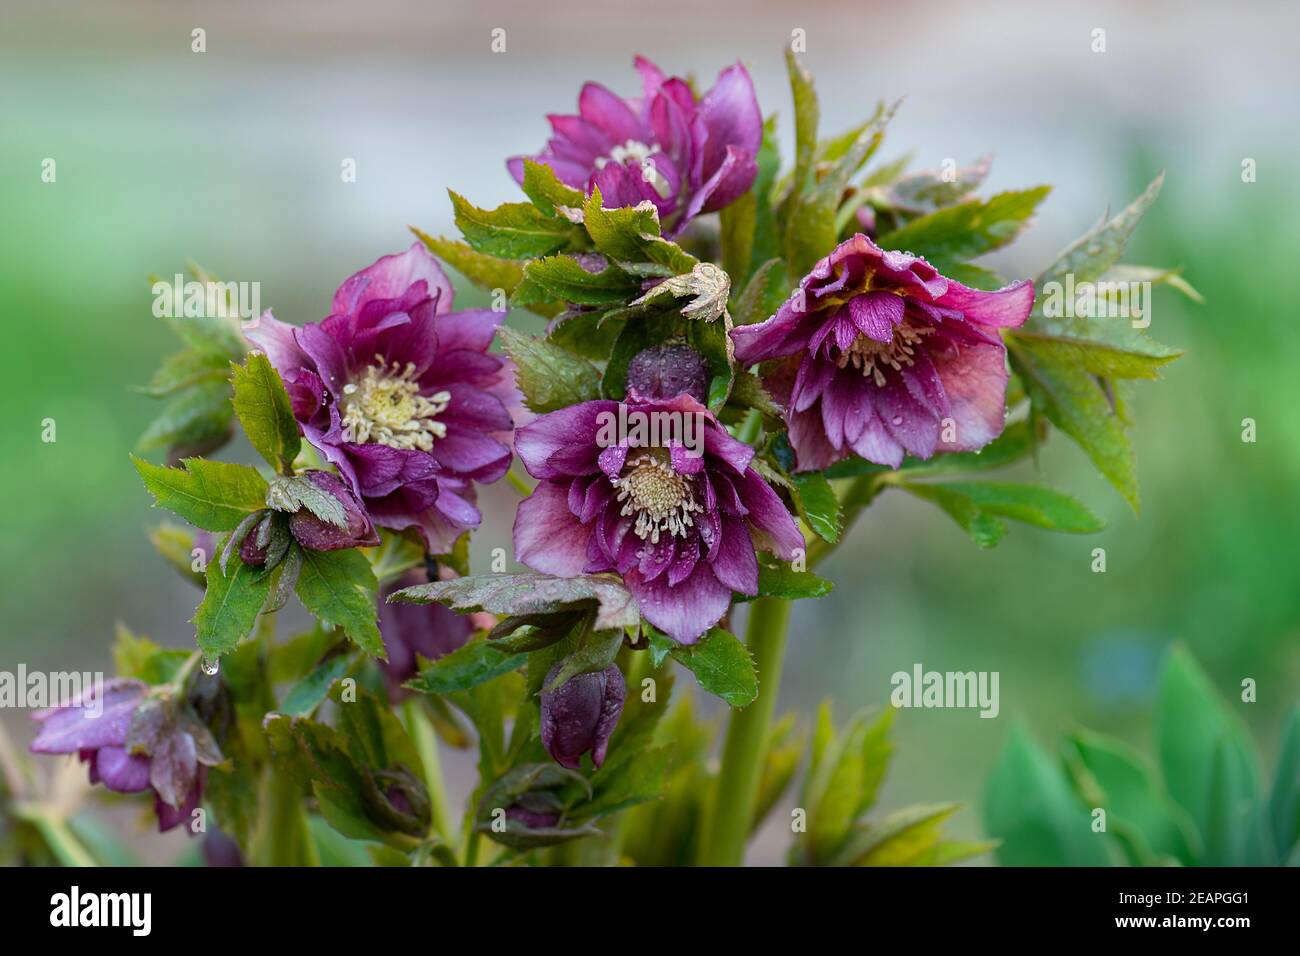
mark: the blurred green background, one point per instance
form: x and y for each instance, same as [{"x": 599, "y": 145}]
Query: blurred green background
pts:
[{"x": 232, "y": 158}]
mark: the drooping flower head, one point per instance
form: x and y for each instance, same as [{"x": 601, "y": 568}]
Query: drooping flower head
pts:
[
  {"x": 685, "y": 155},
  {"x": 134, "y": 742},
  {"x": 411, "y": 631},
  {"x": 679, "y": 519},
  {"x": 886, "y": 357},
  {"x": 580, "y": 715},
  {"x": 400, "y": 394}
]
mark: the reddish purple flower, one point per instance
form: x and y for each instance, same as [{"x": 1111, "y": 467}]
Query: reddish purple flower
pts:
[
  {"x": 885, "y": 357},
  {"x": 679, "y": 519},
  {"x": 580, "y": 715},
  {"x": 134, "y": 742},
  {"x": 400, "y": 394},
  {"x": 685, "y": 155}
]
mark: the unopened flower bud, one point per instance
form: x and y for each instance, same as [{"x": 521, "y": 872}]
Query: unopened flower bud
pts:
[
  {"x": 580, "y": 715},
  {"x": 662, "y": 372}
]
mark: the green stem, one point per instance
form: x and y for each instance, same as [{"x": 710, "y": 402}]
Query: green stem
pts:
[
  {"x": 426, "y": 745},
  {"x": 732, "y": 812},
  {"x": 61, "y": 840},
  {"x": 283, "y": 838}
]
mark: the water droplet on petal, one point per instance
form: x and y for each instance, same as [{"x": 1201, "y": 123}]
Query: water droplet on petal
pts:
[
  {"x": 897, "y": 419},
  {"x": 210, "y": 665}
]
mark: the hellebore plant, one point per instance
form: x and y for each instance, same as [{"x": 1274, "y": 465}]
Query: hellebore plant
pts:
[{"x": 710, "y": 403}]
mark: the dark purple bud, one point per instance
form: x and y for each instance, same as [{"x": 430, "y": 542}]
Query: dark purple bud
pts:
[
  {"x": 219, "y": 849},
  {"x": 396, "y": 800},
  {"x": 250, "y": 552},
  {"x": 662, "y": 372},
  {"x": 534, "y": 818},
  {"x": 315, "y": 534},
  {"x": 580, "y": 715}
]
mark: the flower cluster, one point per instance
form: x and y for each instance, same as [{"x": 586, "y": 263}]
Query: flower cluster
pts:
[{"x": 709, "y": 408}]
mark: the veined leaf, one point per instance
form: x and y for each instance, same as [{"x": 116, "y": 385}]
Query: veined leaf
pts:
[
  {"x": 212, "y": 495},
  {"x": 956, "y": 233},
  {"x": 230, "y": 606},
  {"x": 264, "y": 410},
  {"x": 549, "y": 376},
  {"x": 485, "y": 271},
  {"x": 513, "y": 230},
  {"x": 339, "y": 587}
]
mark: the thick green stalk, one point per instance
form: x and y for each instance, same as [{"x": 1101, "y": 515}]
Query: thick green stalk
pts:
[
  {"x": 732, "y": 812},
  {"x": 426, "y": 744},
  {"x": 282, "y": 837}
]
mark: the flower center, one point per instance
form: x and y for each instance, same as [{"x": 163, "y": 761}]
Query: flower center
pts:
[
  {"x": 870, "y": 356},
  {"x": 661, "y": 499},
  {"x": 633, "y": 149},
  {"x": 385, "y": 407}
]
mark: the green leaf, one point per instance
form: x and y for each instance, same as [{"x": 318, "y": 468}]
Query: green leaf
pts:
[
  {"x": 767, "y": 238},
  {"x": 1032, "y": 504},
  {"x": 486, "y": 272},
  {"x": 530, "y": 593},
  {"x": 1031, "y": 808},
  {"x": 1284, "y": 801},
  {"x": 564, "y": 279},
  {"x": 339, "y": 587},
  {"x": 907, "y": 837},
  {"x": 844, "y": 779},
  {"x": 1092, "y": 254},
  {"x": 230, "y": 606},
  {"x": 141, "y": 658},
  {"x": 806, "y": 118},
  {"x": 812, "y": 229},
  {"x": 549, "y": 376},
  {"x": 186, "y": 368},
  {"x": 953, "y": 235},
  {"x": 1075, "y": 402},
  {"x": 739, "y": 221},
  {"x": 1133, "y": 796},
  {"x": 780, "y": 580},
  {"x": 629, "y": 783},
  {"x": 544, "y": 188},
  {"x": 721, "y": 664},
  {"x": 212, "y": 495},
  {"x": 818, "y": 505},
  {"x": 474, "y": 663},
  {"x": 595, "y": 651},
  {"x": 984, "y": 529},
  {"x": 311, "y": 691},
  {"x": 631, "y": 235},
  {"x": 764, "y": 294},
  {"x": 264, "y": 410},
  {"x": 513, "y": 230},
  {"x": 196, "y": 416},
  {"x": 1207, "y": 759},
  {"x": 292, "y": 493}
]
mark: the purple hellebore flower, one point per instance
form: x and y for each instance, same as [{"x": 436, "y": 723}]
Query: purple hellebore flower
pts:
[
  {"x": 427, "y": 630},
  {"x": 400, "y": 394},
  {"x": 885, "y": 356},
  {"x": 679, "y": 520},
  {"x": 687, "y": 156},
  {"x": 136, "y": 743},
  {"x": 580, "y": 715}
]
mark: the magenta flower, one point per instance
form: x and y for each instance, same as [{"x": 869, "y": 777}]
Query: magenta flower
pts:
[
  {"x": 400, "y": 394},
  {"x": 685, "y": 155},
  {"x": 885, "y": 357},
  {"x": 134, "y": 742},
  {"x": 679, "y": 520}
]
